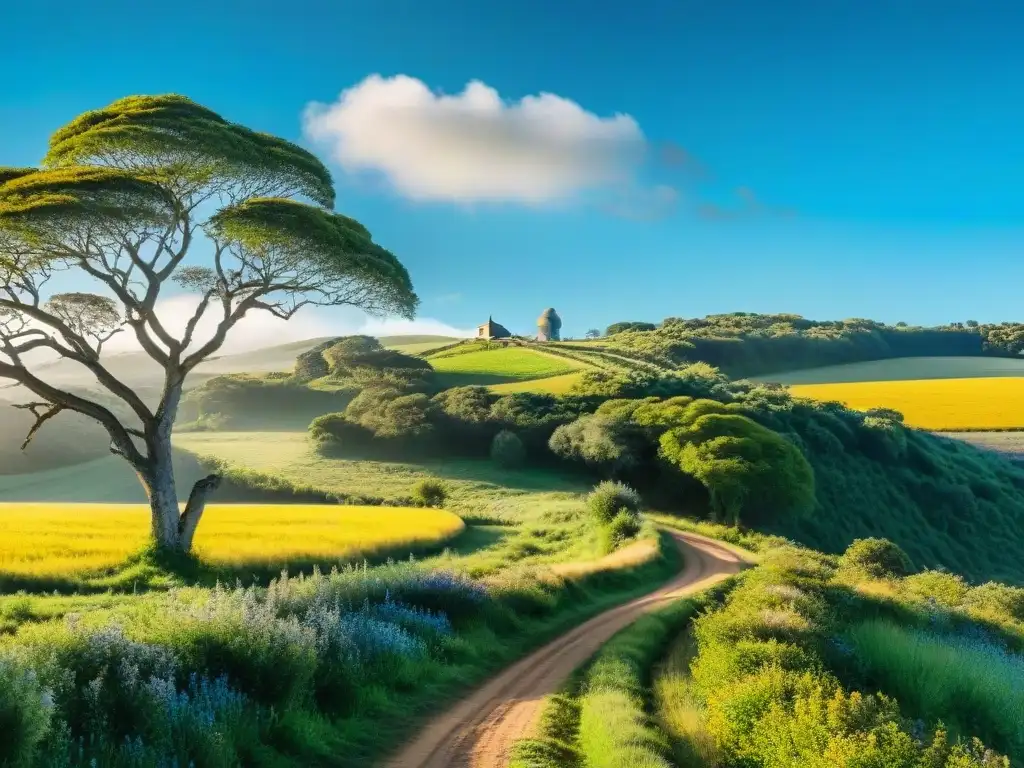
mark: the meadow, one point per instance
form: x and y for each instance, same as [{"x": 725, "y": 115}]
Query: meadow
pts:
[
  {"x": 552, "y": 385},
  {"x": 498, "y": 366},
  {"x": 55, "y": 540},
  {"x": 935, "y": 404}
]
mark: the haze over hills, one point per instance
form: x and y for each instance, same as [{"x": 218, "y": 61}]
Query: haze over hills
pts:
[{"x": 137, "y": 369}]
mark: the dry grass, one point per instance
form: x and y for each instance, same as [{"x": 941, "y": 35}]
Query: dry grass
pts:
[
  {"x": 630, "y": 556},
  {"x": 976, "y": 403},
  {"x": 44, "y": 540}
]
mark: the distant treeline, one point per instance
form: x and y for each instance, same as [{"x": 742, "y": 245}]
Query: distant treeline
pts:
[{"x": 747, "y": 344}]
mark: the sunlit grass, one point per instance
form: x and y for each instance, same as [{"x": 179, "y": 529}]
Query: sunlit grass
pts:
[
  {"x": 969, "y": 682},
  {"x": 513, "y": 362},
  {"x": 976, "y": 403},
  {"x": 49, "y": 540},
  {"x": 553, "y": 385}
]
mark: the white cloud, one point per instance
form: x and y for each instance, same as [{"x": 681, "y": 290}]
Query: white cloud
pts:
[{"x": 475, "y": 146}]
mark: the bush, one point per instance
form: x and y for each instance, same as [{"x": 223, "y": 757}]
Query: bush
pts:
[
  {"x": 430, "y": 493},
  {"x": 24, "y": 714},
  {"x": 623, "y": 527},
  {"x": 878, "y": 558},
  {"x": 609, "y": 498},
  {"x": 507, "y": 450}
]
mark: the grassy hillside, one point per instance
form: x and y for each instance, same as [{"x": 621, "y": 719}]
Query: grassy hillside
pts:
[
  {"x": 497, "y": 366},
  {"x": 66, "y": 439},
  {"x": 903, "y": 368},
  {"x": 936, "y": 404},
  {"x": 552, "y": 385}
]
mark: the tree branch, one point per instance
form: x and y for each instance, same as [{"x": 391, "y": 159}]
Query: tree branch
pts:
[
  {"x": 41, "y": 417},
  {"x": 80, "y": 352},
  {"x": 121, "y": 441}
]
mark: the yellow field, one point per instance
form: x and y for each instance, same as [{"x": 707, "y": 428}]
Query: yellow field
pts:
[
  {"x": 976, "y": 403},
  {"x": 65, "y": 539}
]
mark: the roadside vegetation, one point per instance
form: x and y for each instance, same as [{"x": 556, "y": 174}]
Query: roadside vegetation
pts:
[
  {"x": 601, "y": 717},
  {"x": 345, "y": 660}
]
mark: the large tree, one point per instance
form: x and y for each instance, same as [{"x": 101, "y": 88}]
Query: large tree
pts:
[{"x": 122, "y": 201}]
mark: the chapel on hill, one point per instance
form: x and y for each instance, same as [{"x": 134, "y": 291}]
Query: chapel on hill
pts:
[{"x": 549, "y": 328}]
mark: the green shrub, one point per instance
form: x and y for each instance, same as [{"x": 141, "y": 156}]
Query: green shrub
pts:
[
  {"x": 25, "y": 710},
  {"x": 999, "y": 599},
  {"x": 430, "y": 493},
  {"x": 609, "y": 498},
  {"x": 507, "y": 450},
  {"x": 624, "y": 526},
  {"x": 877, "y": 558}
]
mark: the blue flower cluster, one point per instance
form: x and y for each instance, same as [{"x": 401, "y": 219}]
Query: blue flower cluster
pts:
[{"x": 201, "y": 703}]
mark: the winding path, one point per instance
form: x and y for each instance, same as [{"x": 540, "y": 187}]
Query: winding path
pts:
[{"x": 479, "y": 731}]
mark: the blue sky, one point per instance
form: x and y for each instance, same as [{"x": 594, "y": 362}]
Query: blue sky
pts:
[{"x": 883, "y": 141}]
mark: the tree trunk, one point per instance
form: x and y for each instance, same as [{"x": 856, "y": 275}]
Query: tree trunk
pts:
[
  {"x": 194, "y": 510},
  {"x": 163, "y": 500}
]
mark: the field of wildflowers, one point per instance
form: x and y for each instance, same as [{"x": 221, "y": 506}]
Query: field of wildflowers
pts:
[
  {"x": 311, "y": 669},
  {"x": 51, "y": 540}
]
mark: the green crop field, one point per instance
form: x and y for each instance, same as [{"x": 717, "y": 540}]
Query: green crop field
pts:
[
  {"x": 499, "y": 366},
  {"x": 902, "y": 368}
]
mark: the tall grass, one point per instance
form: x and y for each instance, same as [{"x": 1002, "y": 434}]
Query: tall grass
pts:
[
  {"x": 680, "y": 711},
  {"x": 761, "y": 674},
  {"x": 312, "y": 670},
  {"x": 965, "y": 679}
]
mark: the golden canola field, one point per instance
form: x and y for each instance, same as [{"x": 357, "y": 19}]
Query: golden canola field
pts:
[
  {"x": 956, "y": 404},
  {"x": 64, "y": 539}
]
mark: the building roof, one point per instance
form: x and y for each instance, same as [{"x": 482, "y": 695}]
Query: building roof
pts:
[{"x": 494, "y": 329}]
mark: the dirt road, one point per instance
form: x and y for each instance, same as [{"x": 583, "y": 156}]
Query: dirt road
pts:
[{"x": 479, "y": 731}]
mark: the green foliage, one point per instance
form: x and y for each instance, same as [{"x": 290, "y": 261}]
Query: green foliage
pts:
[
  {"x": 624, "y": 527},
  {"x": 430, "y": 493},
  {"x": 310, "y": 670},
  {"x": 507, "y": 450},
  {"x": 969, "y": 682},
  {"x": 877, "y": 558},
  {"x": 172, "y": 135},
  {"x": 311, "y": 364},
  {"x": 25, "y": 714},
  {"x": 622, "y": 327},
  {"x": 77, "y": 197},
  {"x": 330, "y": 252},
  {"x": 614, "y": 444},
  {"x": 770, "y": 700},
  {"x": 239, "y": 401},
  {"x": 750, "y": 471},
  {"x": 609, "y": 498}
]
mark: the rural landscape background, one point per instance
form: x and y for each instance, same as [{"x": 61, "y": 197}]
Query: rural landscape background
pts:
[{"x": 411, "y": 398}]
